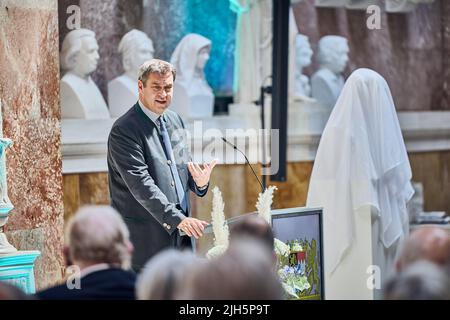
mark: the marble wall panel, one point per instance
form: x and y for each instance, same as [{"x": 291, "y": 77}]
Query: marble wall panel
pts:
[{"x": 29, "y": 99}]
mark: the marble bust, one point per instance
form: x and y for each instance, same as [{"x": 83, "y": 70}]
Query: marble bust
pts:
[
  {"x": 327, "y": 82},
  {"x": 136, "y": 48},
  {"x": 303, "y": 54},
  {"x": 79, "y": 95},
  {"x": 192, "y": 97}
]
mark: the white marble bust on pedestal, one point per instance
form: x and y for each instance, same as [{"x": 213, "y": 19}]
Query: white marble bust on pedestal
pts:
[
  {"x": 136, "y": 48},
  {"x": 193, "y": 98},
  {"x": 303, "y": 54},
  {"x": 79, "y": 95},
  {"x": 327, "y": 83}
]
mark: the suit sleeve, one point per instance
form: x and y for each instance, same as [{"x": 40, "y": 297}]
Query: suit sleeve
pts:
[{"x": 128, "y": 158}]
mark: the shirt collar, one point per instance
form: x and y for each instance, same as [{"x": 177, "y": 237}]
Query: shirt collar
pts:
[{"x": 152, "y": 115}]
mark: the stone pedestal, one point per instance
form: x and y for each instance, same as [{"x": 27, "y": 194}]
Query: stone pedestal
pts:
[
  {"x": 306, "y": 115},
  {"x": 250, "y": 114},
  {"x": 18, "y": 269}
]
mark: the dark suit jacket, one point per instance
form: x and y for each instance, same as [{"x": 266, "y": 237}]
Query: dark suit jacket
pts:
[
  {"x": 141, "y": 184},
  {"x": 107, "y": 284}
]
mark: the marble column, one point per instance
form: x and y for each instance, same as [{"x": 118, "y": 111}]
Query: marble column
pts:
[{"x": 29, "y": 98}]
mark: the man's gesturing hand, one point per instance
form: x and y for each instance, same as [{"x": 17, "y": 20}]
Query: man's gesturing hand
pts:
[
  {"x": 192, "y": 227},
  {"x": 201, "y": 176}
]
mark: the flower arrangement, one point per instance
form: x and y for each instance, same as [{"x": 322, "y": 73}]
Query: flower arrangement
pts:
[{"x": 290, "y": 256}]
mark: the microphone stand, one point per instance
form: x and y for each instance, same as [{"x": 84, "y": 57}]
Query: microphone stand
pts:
[{"x": 246, "y": 160}]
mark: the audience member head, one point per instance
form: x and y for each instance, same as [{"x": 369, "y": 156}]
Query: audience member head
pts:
[
  {"x": 255, "y": 227},
  {"x": 161, "y": 277},
  {"x": 244, "y": 272},
  {"x": 97, "y": 234},
  {"x": 422, "y": 280},
  {"x": 427, "y": 243},
  {"x": 10, "y": 292}
]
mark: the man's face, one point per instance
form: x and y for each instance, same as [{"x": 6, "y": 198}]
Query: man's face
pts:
[
  {"x": 86, "y": 60},
  {"x": 157, "y": 93}
]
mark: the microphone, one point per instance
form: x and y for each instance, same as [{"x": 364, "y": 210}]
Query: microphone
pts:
[{"x": 246, "y": 159}]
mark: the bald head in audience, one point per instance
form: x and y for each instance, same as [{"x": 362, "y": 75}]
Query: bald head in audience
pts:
[{"x": 427, "y": 243}]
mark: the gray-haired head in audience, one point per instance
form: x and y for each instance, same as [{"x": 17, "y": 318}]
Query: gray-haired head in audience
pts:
[
  {"x": 98, "y": 234},
  {"x": 427, "y": 243},
  {"x": 161, "y": 276},
  {"x": 422, "y": 280}
]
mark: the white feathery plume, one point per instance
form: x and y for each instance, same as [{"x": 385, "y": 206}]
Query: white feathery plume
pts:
[
  {"x": 264, "y": 204},
  {"x": 219, "y": 225}
]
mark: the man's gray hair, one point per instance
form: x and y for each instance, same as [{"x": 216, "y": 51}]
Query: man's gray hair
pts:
[
  {"x": 71, "y": 46},
  {"x": 160, "y": 67},
  {"x": 422, "y": 280},
  {"x": 160, "y": 278},
  {"x": 98, "y": 234}
]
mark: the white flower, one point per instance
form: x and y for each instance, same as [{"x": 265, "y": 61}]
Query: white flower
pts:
[
  {"x": 215, "y": 252},
  {"x": 220, "y": 226},
  {"x": 264, "y": 204}
]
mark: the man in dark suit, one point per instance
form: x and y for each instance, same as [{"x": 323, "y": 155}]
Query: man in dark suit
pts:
[
  {"x": 150, "y": 169},
  {"x": 98, "y": 250}
]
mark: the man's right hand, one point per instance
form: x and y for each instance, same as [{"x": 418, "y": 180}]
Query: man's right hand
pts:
[{"x": 192, "y": 227}]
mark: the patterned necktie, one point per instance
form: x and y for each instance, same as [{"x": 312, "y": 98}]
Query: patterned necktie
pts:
[{"x": 173, "y": 167}]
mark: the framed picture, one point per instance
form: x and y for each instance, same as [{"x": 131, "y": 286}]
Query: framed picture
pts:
[{"x": 299, "y": 252}]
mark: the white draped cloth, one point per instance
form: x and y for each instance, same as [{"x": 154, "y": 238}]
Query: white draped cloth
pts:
[{"x": 362, "y": 163}]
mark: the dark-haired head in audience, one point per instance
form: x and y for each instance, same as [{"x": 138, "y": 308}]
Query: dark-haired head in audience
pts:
[
  {"x": 97, "y": 245},
  {"x": 161, "y": 277},
  {"x": 244, "y": 272},
  {"x": 427, "y": 243},
  {"x": 421, "y": 280},
  {"x": 10, "y": 292},
  {"x": 254, "y": 227}
]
